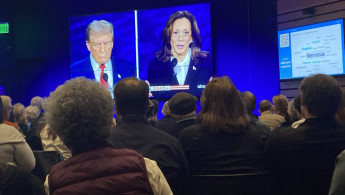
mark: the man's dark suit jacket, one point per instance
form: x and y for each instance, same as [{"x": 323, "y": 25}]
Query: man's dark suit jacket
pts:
[
  {"x": 176, "y": 129},
  {"x": 166, "y": 123},
  {"x": 303, "y": 159},
  {"x": 162, "y": 74},
  {"x": 120, "y": 67},
  {"x": 137, "y": 134}
]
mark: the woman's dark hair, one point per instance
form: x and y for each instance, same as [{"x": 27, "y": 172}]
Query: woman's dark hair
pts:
[
  {"x": 223, "y": 107},
  {"x": 281, "y": 105},
  {"x": 164, "y": 54}
]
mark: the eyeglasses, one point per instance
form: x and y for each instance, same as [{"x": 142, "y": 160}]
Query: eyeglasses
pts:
[{"x": 98, "y": 45}]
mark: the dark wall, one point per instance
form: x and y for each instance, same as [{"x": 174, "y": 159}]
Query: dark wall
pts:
[
  {"x": 23, "y": 50},
  {"x": 243, "y": 34}
]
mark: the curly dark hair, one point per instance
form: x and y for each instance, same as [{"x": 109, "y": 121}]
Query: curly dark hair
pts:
[{"x": 81, "y": 112}]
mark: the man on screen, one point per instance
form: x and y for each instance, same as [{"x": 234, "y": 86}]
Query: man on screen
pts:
[{"x": 100, "y": 65}]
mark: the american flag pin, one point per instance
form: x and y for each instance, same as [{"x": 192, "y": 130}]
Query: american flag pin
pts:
[
  {"x": 119, "y": 76},
  {"x": 194, "y": 68}
]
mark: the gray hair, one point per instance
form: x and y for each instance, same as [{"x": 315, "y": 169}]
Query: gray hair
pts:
[
  {"x": 166, "y": 109},
  {"x": 38, "y": 102},
  {"x": 32, "y": 112},
  {"x": 99, "y": 27},
  {"x": 19, "y": 114},
  {"x": 81, "y": 112},
  {"x": 6, "y": 102}
]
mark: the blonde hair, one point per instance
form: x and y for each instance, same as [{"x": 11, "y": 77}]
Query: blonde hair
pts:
[{"x": 19, "y": 114}]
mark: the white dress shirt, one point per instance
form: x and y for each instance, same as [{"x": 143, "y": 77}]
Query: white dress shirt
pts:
[
  {"x": 181, "y": 68},
  {"x": 97, "y": 71}
]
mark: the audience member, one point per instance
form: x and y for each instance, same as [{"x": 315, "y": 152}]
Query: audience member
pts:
[
  {"x": 155, "y": 109},
  {"x": 303, "y": 159},
  {"x": 150, "y": 114},
  {"x": 15, "y": 181},
  {"x": 337, "y": 184},
  {"x": 19, "y": 116},
  {"x": 292, "y": 112},
  {"x": 36, "y": 125},
  {"x": 80, "y": 112},
  {"x": 134, "y": 132},
  {"x": 272, "y": 120},
  {"x": 183, "y": 110},
  {"x": 7, "y": 110},
  {"x": 38, "y": 102},
  {"x": 223, "y": 141},
  {"x": 250, "y": 102},
  {"x": 13, "y": 148},
  {"x": 52, "y": 142},
  {"x": 167, "y": 121},
  {"x": 297, "y": 110},
  {"x": 32, "y": 112},
  {"x": 280, "y": 107}
]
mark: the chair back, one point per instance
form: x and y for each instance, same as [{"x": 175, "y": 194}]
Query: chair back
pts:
[
  {"x": 44, "y": 161},
  {"x": 15, "y": 181},
  {"x": 234, "y": 184}
]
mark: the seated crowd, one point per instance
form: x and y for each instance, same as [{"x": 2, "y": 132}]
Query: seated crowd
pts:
[{"x": 299, "y": 145}]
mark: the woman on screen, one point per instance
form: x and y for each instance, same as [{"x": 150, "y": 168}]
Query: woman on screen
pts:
[{"x": 180, "y": 61}]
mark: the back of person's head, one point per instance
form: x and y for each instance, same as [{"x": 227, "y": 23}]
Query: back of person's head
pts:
[
  {"x": 166, "y": 110},
  {"x": 265, "y": 105},
  {"x": 19, "y": 114},
  {"x": 182, "y": 105},
  {"x": 80, "y": 112},
  {"x": 38, "y": 102},
  {"x": 99, "y": 27},
  {"x": 155, "y": 107},
  {"x": 293, "y": 113},
  {"x": 32, "y": 112},
  {"x": 223, "y": 107},
  {"x": 321, "y": 96},
  {"x": 250, "y": 100},
  {"x": 131, "y": 97},
  {"x": 7, "y": 106},
  {"x": 280, "y": 103},
  {"x": 1, "y": 112},
  {"x": 150, "y": 112},
  {"x": 297, "y": 103}
]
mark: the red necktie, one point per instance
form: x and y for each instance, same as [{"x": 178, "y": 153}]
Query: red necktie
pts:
[{"x": 101, "y": 79}]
